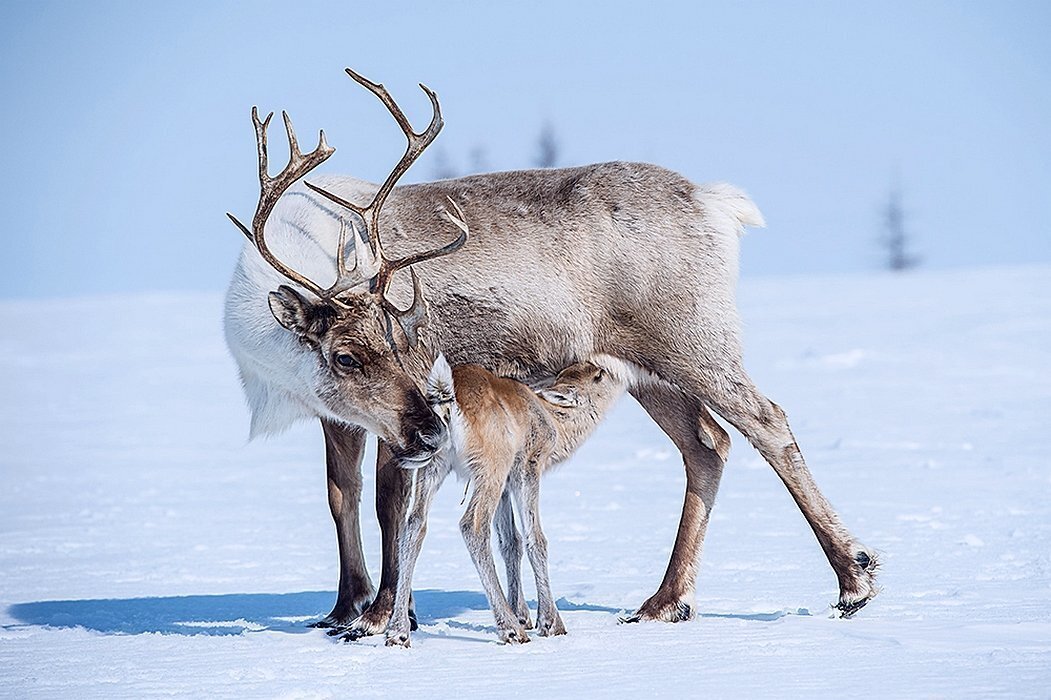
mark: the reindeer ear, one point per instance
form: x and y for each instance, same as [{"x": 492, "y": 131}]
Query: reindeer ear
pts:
[
  {"x": 565, "y": 399},
  {"x": 441, "y": 372},
  {"x": 290, "y": 309}
]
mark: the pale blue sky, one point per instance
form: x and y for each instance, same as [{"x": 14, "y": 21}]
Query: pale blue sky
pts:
[{"x": 128, "y": 135}]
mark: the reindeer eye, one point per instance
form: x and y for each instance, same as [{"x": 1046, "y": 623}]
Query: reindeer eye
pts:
[{"x": 345, "y": 360}]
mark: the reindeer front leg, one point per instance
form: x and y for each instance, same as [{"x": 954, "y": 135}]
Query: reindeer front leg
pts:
[
  {"x": 344, "y": 448},
  {"x": 392, "y": 491}
]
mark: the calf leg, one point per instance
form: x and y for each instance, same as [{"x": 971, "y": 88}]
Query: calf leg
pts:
[
  {"x": 704, "y": 446},
  {"x": 344, "y": 448},
  {"x": 475, "y": 525},
  {"x": 510, "y": 541},
  {"x": 548, "y": 621},
  {"x": 428, "y": 480}
]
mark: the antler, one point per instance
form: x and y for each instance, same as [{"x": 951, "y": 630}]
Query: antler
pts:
[
  {"x": 381, "y": 269},
  {"x": 372, "y": 264},
  {"x": 415, "y": 317},
  {"x": 271, "y": 189}
]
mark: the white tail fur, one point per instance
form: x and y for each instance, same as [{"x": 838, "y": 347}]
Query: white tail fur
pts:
[{"x": 731, "y": 202}]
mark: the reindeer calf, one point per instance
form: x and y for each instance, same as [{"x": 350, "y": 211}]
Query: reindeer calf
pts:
[{"x": 501, "y": 436}]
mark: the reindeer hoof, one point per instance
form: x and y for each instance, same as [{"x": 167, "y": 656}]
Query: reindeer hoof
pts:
[
  {"x": 343, "y": 614},
  {"x": 347, "y": 634},
  {"x": 336, "y": 620},
  {"x": 334, "y": 624},
  {"x": 653, "y": 610},
  {"x": 863, "y": 588},
  {"x": 847, "y": 609},
  {"x": 365, "y": 625}
]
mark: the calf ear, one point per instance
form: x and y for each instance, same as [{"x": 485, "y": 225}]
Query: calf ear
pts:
[
  {"x": 290, "y": 309},
  {"x": 565, "y": 399}
]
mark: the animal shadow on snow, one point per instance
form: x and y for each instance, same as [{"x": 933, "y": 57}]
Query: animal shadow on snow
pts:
[
  {"x": 229, "y": 614},
  {"x": 237, "y": 613}
]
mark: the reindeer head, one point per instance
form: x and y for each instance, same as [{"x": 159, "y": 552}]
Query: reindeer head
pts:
[{"x": 370, "y": 361}]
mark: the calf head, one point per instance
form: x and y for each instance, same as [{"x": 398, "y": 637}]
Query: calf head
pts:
[{"x": 584, "y": 385}]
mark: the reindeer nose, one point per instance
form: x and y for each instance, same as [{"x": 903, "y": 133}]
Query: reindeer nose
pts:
[{"x": 421, "y": 428}]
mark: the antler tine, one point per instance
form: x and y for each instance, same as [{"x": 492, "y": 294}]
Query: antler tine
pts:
[
  {"x": 293, "y": 144},
  {"x": 368, "y": 262},
  {"x": 364, "y": 268},
  {"x": 360, "y": 211},
  {"x": 457, "y": 219},
  {"x": 415, "y": 317},
  {"x": 341, "y": 252},
  {"x": 417, "y": 143},
  {"x": 260, "y": 143},
  {"x": 271, "y": 189}
]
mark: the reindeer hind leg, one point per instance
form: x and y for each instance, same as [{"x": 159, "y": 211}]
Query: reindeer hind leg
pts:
[
  {"x": 704, "y": 446},
  {"x": 766, "y": 426}
]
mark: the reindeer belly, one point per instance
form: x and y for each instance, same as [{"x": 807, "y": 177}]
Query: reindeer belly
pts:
[{"x": 512, "y": 336}]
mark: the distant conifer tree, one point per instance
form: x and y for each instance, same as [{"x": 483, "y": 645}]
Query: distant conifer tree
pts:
[
  {"x": 896, "y": 241},
  {"x": 547, "y": 147},
  {"x": 443, "y": 166}
]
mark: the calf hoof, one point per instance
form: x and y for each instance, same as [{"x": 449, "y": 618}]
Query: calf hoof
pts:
[
  {"x": 514, "y": 636},
  {"x": 551, "y": 628},
  {"x": 523, "y": 617},
  {"x": 398, "y": 639}
]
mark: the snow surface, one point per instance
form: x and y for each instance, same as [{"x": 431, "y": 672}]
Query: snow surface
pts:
[{"x": 147, "y": 550}]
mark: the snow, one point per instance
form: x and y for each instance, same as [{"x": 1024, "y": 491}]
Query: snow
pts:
[{"x": 147, "y": 550}]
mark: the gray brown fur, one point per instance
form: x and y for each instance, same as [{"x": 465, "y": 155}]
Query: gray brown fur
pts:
[{"x": 619, "y": 260}]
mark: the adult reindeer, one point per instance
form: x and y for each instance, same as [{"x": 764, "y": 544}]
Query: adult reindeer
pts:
[{"x": 623, "y": 260}]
